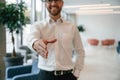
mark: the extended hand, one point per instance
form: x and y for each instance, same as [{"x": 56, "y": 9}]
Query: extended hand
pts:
[{"x": 41, "y": 46}]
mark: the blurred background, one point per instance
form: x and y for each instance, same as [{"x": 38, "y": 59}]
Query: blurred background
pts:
[{"x": 100, "y": 20}]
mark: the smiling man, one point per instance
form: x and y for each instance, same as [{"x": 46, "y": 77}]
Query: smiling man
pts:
[{"x": 54, "y": 40}]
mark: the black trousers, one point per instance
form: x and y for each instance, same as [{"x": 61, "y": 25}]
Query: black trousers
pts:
[{"x": 44, "y": 75}]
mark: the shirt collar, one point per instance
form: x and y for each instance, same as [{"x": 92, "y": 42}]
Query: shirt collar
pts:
[{"x": 60, "y": 20}]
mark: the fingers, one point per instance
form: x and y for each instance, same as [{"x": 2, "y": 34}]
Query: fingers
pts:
[
  {"x": 49, "y": 41},
  {"x": 43, "y": 54},
  {"x": 41, "y": 46}
]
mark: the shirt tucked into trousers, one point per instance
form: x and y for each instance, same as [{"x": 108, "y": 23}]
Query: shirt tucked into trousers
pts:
[
  {"x": 46, "y": 75},
  {"x": 60, "y": 53}
]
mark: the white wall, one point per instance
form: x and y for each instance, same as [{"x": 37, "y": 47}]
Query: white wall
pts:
[{"x": 100, "y": 26}]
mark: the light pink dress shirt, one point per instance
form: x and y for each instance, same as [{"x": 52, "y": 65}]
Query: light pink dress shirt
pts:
[{"x": 60, "y": 52}]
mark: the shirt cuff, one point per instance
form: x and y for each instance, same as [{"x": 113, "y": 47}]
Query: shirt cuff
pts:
[
  {"x": 31, "y": 45},
  {"x": 76, "y": 73}
]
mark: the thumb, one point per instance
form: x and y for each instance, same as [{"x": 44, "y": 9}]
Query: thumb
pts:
[{"x": 49, "y": 41}]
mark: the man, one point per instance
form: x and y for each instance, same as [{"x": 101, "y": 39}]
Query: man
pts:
[{"x": 54, "y": 39}]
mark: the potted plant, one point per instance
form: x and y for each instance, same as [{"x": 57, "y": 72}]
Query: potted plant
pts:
[
  {"x": 80, "y": 28},
  {"x": 12, "y": 17}
]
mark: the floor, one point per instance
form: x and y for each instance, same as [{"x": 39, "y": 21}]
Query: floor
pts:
[{"x": 101, "y": 63}]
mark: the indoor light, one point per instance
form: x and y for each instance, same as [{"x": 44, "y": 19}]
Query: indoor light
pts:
[
  {"x": 92, "y": 5},
  {"x": 104, "y": 12},
  {"x": 93, "y": 9},
  {"x": 99, "y": 7}
]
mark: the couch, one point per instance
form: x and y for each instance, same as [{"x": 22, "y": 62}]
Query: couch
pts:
[{"x": 23, "y": 72}]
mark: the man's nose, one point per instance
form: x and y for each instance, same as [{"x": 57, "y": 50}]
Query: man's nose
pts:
[{"x": 53, "y": 3}]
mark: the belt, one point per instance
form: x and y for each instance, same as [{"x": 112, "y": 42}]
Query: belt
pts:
[
  {"x": 62, "y": 72},
  {"x": 58, "y": 72}
]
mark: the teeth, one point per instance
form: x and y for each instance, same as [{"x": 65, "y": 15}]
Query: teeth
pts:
[{"x": 54, "y": 8}]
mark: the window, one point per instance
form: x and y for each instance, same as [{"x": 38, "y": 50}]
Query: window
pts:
[{"x": 34, "y": 13}]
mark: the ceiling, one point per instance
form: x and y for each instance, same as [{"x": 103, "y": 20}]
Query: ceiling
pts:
[
  {"x": 80, "y": 2},
  {"x": 89, "y": 2}
]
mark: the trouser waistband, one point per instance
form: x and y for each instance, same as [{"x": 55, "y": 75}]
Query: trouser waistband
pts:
[{"x": 58, "y": 72}]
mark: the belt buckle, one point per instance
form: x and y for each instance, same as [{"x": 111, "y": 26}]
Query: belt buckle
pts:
[{"x": 58, "y": 73}]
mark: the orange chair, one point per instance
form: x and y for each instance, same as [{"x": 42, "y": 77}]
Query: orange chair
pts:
[
  {"x": 93, "y": 42},
  {"x": 108, "y": 42}
]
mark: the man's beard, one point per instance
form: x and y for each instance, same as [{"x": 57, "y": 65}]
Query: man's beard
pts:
[{"x": 54, "y": 13}]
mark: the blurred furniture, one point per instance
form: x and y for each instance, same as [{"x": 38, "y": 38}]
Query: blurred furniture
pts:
[
  {"x": 26, "y": 52},
  {"x": 118, "y": 47},
  {"x": 108, "y": 42},
  {"x": 23, "y": 72},
  {"x": 93, "y": 41}
]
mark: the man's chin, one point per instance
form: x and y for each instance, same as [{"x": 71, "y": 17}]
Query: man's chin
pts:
[{"x": 54, "y": 14}]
